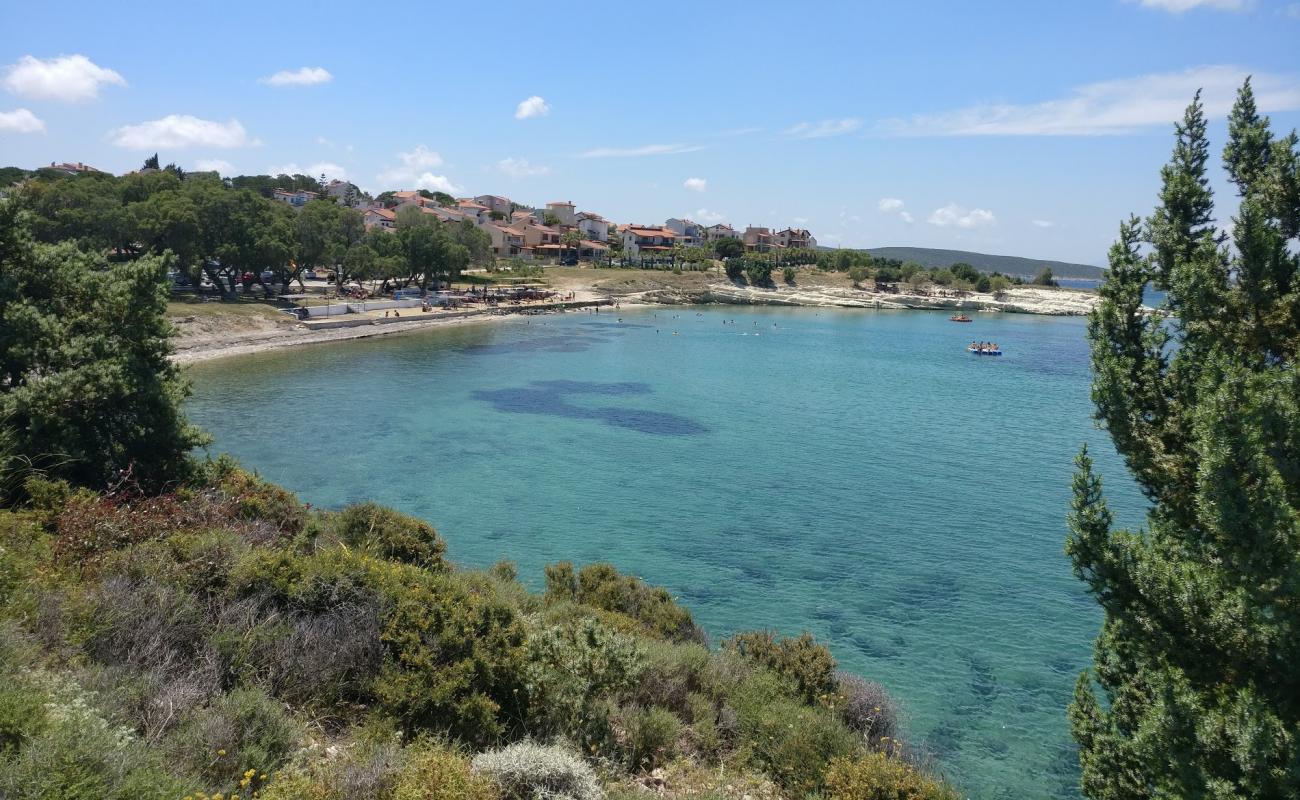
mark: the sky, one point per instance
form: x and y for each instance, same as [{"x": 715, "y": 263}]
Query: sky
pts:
[{"x": 1018, "y": 128}]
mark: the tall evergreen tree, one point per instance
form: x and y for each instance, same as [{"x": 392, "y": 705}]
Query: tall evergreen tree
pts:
[
  {"x": 1195, "y": 691},
  {"x": 87, "y": 392}
]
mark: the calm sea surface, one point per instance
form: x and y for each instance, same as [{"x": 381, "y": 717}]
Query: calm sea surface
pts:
[{"x": 856, "y": 474}]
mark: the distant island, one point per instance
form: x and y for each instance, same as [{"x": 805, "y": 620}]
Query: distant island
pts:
[{"x": 931, "y": 257}]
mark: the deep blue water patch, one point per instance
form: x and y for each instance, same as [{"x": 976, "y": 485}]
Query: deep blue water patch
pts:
[{"x": 551, "y": 398}]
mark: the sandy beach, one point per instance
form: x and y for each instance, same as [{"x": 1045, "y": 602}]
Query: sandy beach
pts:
[{"x": 214, "y": 330}]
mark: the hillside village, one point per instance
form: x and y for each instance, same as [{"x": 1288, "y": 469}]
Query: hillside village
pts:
[{"x": 556, "y": 230}]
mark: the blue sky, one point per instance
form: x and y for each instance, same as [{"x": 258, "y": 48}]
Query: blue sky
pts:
[{"x": 1025, "y": 128}]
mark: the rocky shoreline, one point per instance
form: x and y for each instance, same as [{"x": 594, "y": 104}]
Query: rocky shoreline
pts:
[{"x": 1018, "y": 300}]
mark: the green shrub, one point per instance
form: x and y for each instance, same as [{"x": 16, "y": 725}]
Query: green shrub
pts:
[
  {"x": 69, "y": 751},
  {"x": 454, "y": 658},
  {"x": 245, "y": 729},
  {"x": 530, "y": 771},
  {"x": 436, "y": 772},
  {"x": 257, "y": 500},
  {"x": 570, "y": 670},
  {"x": 876, "y": 776},
  {"x": 672, "y": 672},
  {"x": 791, "y": 742},
  {"x": 706, "y": 736},
  {"x": 805, "y": 664},
  {"x": 649, "y": 736},
  {"x": 389, "y": 534},
  {"x": 788, "y": 274},
  {"x": 601, "y": 586}
]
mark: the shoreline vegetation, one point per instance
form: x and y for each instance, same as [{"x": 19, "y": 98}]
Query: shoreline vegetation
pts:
[{"x": 207, "y": 331}]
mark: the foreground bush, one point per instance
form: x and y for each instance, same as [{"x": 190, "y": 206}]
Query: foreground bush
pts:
[
  {"x": 808, "y": 666},
  {"x": 601, "y": 586},
  {"x": 877, "y": 776},
  {"x": 790, "y": 741},
  {"x": 389, "y": 534},
  {"x": 436, "y": 772},
  {"x": 530, "y": 771}
]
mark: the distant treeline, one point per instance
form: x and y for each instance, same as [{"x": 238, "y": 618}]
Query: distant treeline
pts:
[{"x": 230, "y": 231}]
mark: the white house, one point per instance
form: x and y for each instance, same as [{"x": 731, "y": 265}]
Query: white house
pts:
[
  {"x": 593, "y": 226},
  {"x": 688, "y": 233},
  {"x": 642, "y": 240},
  {"x": 720, "y": 231}
]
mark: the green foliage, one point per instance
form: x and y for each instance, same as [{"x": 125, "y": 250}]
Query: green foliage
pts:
[
  {"x": 790, "y": 741},
  {"x": 1195, "y": 690},
  {"x": 758, "y": 272},
  {"x": 601, "y": 586},
  {"x": 867, "y": 708},
  {"x": 1044, "y": 277},
  {"x": 87, "y": 392},
  {"x": 245, "y": 729},
  {"x": 788, "y": 275},
  {"x": 875, "y": 776},
  {"x": 66, "y": 749},
  {"x": 571, "y": 670},
  {"x": 437, "y": 772},
  {"x": 858, "y": 275},
  {"x": 728, "y": 247},
  {"x": 807, "y": 666},
  {"x": 529, "y": 771},
  {"x": 650, "y": 736},
  {"x": 389, "y": 534},
  {"x": 455, "y": 660}
]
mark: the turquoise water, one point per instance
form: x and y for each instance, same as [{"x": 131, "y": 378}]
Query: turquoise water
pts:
[{"x": 856, "y": 474}]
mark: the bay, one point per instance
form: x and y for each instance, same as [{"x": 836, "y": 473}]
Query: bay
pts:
[{"x": 856, "y": 474}]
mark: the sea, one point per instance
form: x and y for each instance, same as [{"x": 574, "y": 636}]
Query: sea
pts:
[{"x": 852, "y": 473}]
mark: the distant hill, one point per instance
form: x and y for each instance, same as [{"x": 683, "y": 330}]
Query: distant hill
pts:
[{"x": 1008, "y": 265}]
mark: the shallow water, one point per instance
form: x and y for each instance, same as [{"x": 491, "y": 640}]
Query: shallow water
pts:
[{"x": 856, "y": 474}]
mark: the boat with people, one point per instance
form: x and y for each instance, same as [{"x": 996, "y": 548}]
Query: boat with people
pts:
[
  {"x": 959, "y": 317},
  {"x": 984, "y": 349}
]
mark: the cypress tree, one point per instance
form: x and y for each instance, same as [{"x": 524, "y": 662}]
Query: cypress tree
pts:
[{"x": 1195, "y": 688}]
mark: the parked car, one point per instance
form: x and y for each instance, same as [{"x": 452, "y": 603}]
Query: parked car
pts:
[
  {"x": 569, "y": 261},
  {"x": 268, "y": 276},
  {"x": 309, "y": 275}
]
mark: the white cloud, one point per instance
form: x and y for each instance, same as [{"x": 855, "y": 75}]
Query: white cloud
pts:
[
  {"x": 646, "y": 150},
  {"x": 825, "y": 128},
  {"x": 696, "y": 184},
  {"x": 1292, "y": 11},
  {"x": 303, "y": 76},
  {"x": 71, "y": 79},
  {"x": 521, "y": 168},
  {"x": 1044, "y": 223},
  {"x": 532, "y": 107},
  {"x": 324, "y": 142},
  {"x": 182, "y": 130},
  {"x": 435, "y": 183},
  {"x": 954, "y": 216},
  {"x": 1110, "y": 107},
  {"x": 709, "y": 217},
  {"x": 20, "y": 120},
  {"x": 415, "y": 172},
  {"x": 330, "y": 170},
  {"x": 889, "y": 204},
  {"x": 1179, "y": 6},
  {"x": 906, "y": 216},
  {"x": 214, "y": 165}
]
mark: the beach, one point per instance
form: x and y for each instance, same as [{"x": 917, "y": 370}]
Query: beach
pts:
[{"x": 206, "y": 331}]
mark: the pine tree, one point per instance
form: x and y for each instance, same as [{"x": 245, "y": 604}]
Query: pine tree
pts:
[{"x": 1195, "y": 690}]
